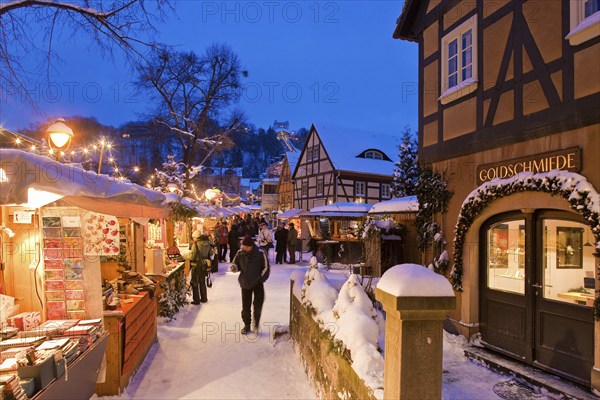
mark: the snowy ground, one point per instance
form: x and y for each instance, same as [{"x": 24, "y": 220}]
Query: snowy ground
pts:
[{"x": 202, "y": 355}]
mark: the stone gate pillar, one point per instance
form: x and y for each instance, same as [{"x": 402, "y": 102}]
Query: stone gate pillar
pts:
[{"x": 416, "y": 301}]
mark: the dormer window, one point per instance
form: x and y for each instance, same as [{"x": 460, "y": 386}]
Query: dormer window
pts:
[{"x": 374, "y": 154}]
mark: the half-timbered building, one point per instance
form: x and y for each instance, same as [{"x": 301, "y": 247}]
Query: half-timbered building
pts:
[
  {"x": 509, "y": 93},
  {"x": 285, "y": 187},
  {"x": 344, "y": 165}
]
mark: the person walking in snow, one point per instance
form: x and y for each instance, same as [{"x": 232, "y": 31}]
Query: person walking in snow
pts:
[
  {"x": 200, "y": 254},
  {"x": 292, "y": 242},
  {"x": 254, "y": 268},
  {"x": 281, "y": 237},
  {"x": 221, "y": 234},
  {"x": 233, "y": 241},
  {"x": 265, "y": 238}
]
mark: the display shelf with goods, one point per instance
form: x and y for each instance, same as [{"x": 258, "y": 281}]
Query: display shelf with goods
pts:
[{"x": 51, "y": 245}]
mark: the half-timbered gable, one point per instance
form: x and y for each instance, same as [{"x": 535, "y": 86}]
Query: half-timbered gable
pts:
[
  {"x": 508, "y": 87},
  {"x": 344, "y": 165},
  {"x": 285, "y": 189},
  {"x": 502, "y": 71}
]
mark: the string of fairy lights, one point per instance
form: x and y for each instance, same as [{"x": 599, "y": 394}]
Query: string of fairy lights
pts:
[{"x": 103, "y": 150}]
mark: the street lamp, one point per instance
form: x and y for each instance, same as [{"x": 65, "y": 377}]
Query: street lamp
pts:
[
  {"x": 171, "y": 187},
  {"x": 59, "y": 135}
]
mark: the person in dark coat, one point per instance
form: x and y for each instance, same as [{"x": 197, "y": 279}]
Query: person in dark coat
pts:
[
  {"x": 281, "y": 237},
  {"x": 253, "y": 266},
  {"x": 222, "y": 238},
  {"x": 234, "y": 241},
  {"x": 200, "y": 254},
  {"x": 292, "y": 242}
]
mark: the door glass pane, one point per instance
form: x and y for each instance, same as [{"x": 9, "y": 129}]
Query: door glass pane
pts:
[
  {"x": 506, "y": 256},
  {"x": 568, "y": 262}
]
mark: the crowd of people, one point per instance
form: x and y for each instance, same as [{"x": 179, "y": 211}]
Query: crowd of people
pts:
[
  {"x": 248, "y": 241},
  {"x": 226, "y": 236}
]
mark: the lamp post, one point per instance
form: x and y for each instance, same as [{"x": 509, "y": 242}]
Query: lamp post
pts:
[{"x": 59, "y": 136}]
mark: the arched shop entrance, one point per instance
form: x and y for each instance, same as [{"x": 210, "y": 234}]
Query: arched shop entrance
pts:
[{"x": 537, "y": 289}]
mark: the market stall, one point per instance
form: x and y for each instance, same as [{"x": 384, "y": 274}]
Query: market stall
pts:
[
  {"x": 336, "y": 231},
  {"x": 60, "y": 224},
  {"x": 394, "y": 221}
]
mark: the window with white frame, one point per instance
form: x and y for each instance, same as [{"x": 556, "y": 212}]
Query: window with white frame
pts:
[
  {"x": 360, "y": 189},
  {"x": 459, "y": 61},
  {"x": 309, "y": 153},
  {"x": 316, "y": 154},
  {"x": 374, "y": 154},
  {"x": 304, "y": 189},
  {"x": 385, "y": 191},
  {"x": 585, "y": 21},
  {"x": 320, "y": 185}
]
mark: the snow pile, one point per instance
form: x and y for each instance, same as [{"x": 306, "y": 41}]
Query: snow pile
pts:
[
  {"x": 355, "y": 322},
  {"x": 352, "y": 321},
  {"x": 412, "y": 280},
  {"x": 317, "y": 293}
]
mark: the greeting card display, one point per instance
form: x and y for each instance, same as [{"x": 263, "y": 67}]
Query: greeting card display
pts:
[
  {"x": 53, "y": 264},
  {"x": 51, "y": 222},
  {"x": 74, "y": 285},
  {"x": 63, "y": 266},
  {"x": 54, "y": 275},
  {"x": 53, "y": 286},
  {"x": 73, "y": 274},
  {"x": 75, "y": 295},
  {"x": 100, "y": 234},
  {"x": 56, "y": 310},
  {"x": 55, "y": 296}
]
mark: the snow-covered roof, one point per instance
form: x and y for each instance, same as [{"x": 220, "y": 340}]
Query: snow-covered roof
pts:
[
  {"x": 399, "y": 205},
  {"x": 271, "y": 180},
  {"x": 292, "y": 157},
  {"x": 343, "y": 145},
  {"x": 293, "y": 213},
  {"x": 23, "y": 173},
  {"x": 341, "y": 210}
]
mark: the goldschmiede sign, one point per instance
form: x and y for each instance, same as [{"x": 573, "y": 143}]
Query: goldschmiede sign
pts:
[{"x": 568, "y": 160}]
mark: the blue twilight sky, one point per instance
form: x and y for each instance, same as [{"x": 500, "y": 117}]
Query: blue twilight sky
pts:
[{"x": 332, "y": 62}]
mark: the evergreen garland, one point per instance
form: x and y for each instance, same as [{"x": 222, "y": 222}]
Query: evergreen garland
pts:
[
  {"x": 572, "y": 187},
  {"x": 433, "y": 195},
  {"x": 173, "y": 296}
]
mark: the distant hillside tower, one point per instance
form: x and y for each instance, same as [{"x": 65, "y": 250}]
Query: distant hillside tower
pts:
[{"x": 282, "y": 128}]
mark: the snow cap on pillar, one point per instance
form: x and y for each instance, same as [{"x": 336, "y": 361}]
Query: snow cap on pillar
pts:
[{"x": 413, "y": 280}]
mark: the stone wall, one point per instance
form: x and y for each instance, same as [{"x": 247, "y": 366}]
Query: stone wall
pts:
[{"x": 329, "y": 371}]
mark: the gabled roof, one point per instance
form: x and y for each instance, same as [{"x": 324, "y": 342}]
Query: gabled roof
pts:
[
  {"x": 292, "y": 157},
  {"x": 405, "y": 23},
  {"x": 343, "y": 145}
]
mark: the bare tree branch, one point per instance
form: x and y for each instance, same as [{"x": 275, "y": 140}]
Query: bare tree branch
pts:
[{"x": 126, "y": 25}]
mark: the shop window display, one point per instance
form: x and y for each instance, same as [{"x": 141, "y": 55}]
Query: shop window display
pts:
[{"x": 506, "y": 256}]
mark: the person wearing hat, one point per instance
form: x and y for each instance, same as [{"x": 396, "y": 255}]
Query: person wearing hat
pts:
[
  {"x": 265, "y": 238},
  {"x": 254, "y": 268},
  {"x": 200, "y": 254}
]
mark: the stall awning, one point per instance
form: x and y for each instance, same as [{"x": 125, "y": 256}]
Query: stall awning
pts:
[
  {"x": 341, "y": 210},
  {"x": 23, "y": 173},
  {"x": 400, "y": 205},
  {"x": 293, "y": 213}
]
